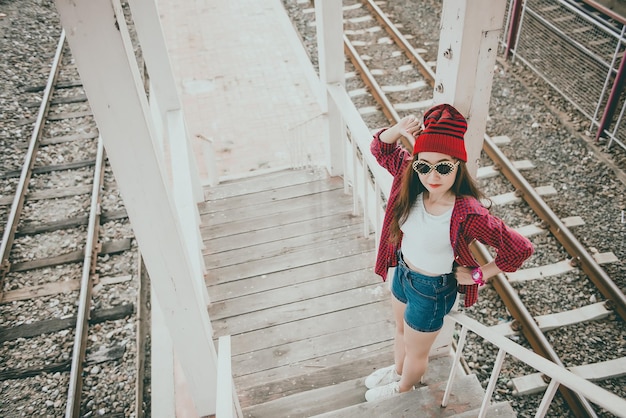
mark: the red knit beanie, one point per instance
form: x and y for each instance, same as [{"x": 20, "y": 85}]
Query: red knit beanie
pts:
[{"x": 443, "y": 132}]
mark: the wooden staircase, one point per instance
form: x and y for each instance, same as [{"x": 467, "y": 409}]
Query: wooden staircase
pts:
[{"x": 290, "y": 278}]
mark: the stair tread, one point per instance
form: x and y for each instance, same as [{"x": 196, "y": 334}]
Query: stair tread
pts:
[
  {"x": 498, "y": 410},
  {"x": 467, "y": 394},
  {"x": 350, "y": 393}
]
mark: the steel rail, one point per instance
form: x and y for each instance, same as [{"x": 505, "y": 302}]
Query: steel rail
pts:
[
  {"x": 86, "y": 284},
  {"x": 8, "y": 234},
  {"x": 528, "y": 326},
  {"x": 375, "y": 89},
  {"x": 401, "y": 41},
  {"x": 581, "y": 256}
]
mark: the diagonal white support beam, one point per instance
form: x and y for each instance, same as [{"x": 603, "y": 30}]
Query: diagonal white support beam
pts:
[{"x": 100, "y": 44}]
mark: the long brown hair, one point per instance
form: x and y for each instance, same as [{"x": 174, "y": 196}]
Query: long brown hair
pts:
[{"x": 411, "y": 187}]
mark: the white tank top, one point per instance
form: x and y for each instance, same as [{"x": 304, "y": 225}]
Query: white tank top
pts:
[{"x": 426, "y": 239}]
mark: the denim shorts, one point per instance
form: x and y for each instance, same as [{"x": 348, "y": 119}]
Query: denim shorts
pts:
[{"x": 428, "y": 299}]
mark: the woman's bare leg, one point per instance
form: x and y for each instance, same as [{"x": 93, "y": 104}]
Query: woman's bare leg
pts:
[
  {"x": 398, "y": 341},
  {"x": 416, "y": 348}
]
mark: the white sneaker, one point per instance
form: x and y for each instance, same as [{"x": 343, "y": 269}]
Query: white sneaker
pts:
[
  {"x": 382, "y": 392},
  {"x": 382, "y": 377}
]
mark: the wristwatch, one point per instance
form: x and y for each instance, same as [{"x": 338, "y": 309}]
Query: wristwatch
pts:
[{"x": 477, "y": 276}]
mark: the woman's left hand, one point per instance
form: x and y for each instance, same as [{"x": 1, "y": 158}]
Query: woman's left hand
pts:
[{"x": 463, "y": 275}]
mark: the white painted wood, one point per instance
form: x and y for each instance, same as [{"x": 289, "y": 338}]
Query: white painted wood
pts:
[
  {"x": 163, "y": 404},
  {"x": 150, "y": 33},
  {"x": 329, "y": 21},
  {"x": 227, "y": 401},
  {"x": 574, "y": 316},
  {"x": 185, "y": 202},
  {"x": 501, "y": 140},
  {"x": 547, "y": 322},
  {"x": 508, "y": 198},
  {"x": 468, "y": 46},
  {"x": 120, "y": 108},
  {"x": 554, "y": 269},
  {"x": 533, "y": 383},
  {"x": 491, "y": 171},
  {"x": 530, "y": 230},
  {"x": 585, "y": 388},
  {"x": 362, "y": 137}
]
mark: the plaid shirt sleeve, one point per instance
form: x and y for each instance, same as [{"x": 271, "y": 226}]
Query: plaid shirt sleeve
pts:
[
  {"x": 393, "y": 158},
  {"x": 512, "y": 248},
  {"x": 475, "y": 222}
]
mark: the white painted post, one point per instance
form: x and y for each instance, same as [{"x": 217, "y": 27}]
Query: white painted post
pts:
[
  {"x": 329, "y": 19},
  {"x": 150, "y": 33},
  {"x": 100, "y": 44},
  {"x": 163, "y": 401},
  {"x": 468, "y": 47},
  {"x": 183, "y": 168},
  {"x": 186, "y": 206}
]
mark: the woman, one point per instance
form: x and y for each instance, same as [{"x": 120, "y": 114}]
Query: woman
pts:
[{"x": 433, "y": 213}]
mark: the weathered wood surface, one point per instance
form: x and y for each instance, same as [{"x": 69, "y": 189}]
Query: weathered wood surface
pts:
[{"x": 290, "y": 278}]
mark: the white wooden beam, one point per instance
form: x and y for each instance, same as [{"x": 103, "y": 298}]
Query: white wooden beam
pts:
[
  {"x": 185, "y": 203},
  {"x": 150, "y": 33},
  {"x": 468, "y": 47},
  {"x": 329, "y": 21},
  {"x": 100, "y": 44},
  {"x": 163, "y": 402}
]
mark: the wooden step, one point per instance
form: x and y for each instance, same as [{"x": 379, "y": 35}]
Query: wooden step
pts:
[
  {"x": 466, "y": 396},
  {"x": 498, "y": 410},
  {"x": 345, "y": 391}
]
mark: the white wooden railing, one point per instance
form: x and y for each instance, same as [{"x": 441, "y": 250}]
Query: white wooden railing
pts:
[
  {"x": 227, "y": 405},
  {"x": 370, "y": 189},
  {"x": 559, "y": 375}
]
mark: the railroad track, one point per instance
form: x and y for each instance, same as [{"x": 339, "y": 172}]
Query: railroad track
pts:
[
  {"x": 390, "y": 76},
  {"x": 73, "y": 294}
]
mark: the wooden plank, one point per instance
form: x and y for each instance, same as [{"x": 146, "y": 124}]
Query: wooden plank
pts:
[
  {"x": 50, "y": 194},
  {"x": 249, "y": 321},
  {"x": 610, "y": 369},
  {"x": 508, "y": 198},
  {"x": 108, "y": 354},
  {"x": 280, "y": 247},
  {"x": 492, "y": 171},
  {"x": 283, "y": 215},
  {"x": 285, "y": 231},
  {"x": 554, "y": 269},
  {"x": 530, "y": 230},
  {"x": 275, "y": 194},
  {"x": 54, "y": 288},
  {"x": 51, "y": 168},
  {"x": 29, "y": 228},
  {"x": 311, "y": 371},
  {"x": 293, "y": 276},
  {"x": 306, "y": 328},
  {"x": 58, "y": 324},
  {"x": 259, "y": 183},
  {"x": 93, "y": 134},
  {"x": 574, "y": 316},
  {"x": 69, "y": 115},
  {"x": 288, "y": 261},
  {"x": 295, "y": 293},
  {"x": 110, "y": 247},
  {"x": 261, "y": 207},
  {"x": 550, "y": 321},
  {"x": 314, "y": 376},
  {"x": 312, "y": 348}
]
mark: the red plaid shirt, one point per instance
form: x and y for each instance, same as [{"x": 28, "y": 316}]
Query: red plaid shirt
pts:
[{"x": 470, "y": 221}]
